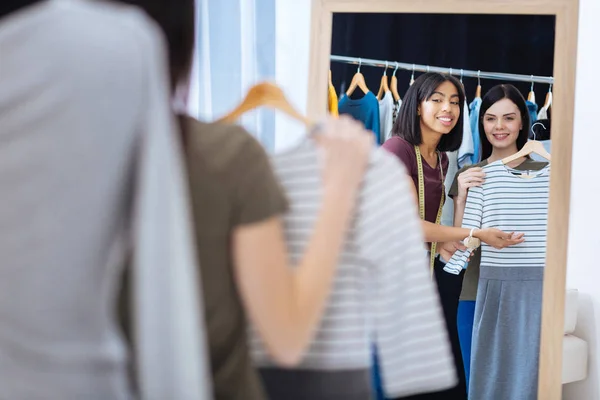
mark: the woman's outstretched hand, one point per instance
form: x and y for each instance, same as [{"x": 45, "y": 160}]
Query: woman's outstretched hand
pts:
[{"x": 499, "y": 239}]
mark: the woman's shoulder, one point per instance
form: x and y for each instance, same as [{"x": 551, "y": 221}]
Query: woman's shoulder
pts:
[
  {"x": 399, "y": 146},
  {"x": 402, "y": 149},
  {"x": 220, "y": 146}
]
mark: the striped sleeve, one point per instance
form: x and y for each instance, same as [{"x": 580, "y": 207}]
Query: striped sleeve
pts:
[
  {"x": 409, "y": 330},
  {"x": 471, "y": 219}
]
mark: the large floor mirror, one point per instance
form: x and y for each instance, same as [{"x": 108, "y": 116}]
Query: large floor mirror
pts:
[{"x": 516, "y": 61}]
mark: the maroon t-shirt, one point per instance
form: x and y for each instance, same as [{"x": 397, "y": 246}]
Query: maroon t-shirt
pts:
[{"x": 433, "y": 183}]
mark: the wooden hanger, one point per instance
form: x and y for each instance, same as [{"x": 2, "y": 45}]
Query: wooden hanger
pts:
[
  {"x": 532, "y": 146},
  {"x": 548, "y": 101},
  {"x": 265, "y": 94},
  {"x": 358, "y": 80},
  {"x": 394, "y": 85},
  {"x": 478, "y": 90},
  {"x": 531, "y": 96},
  {"x": 383, "y": 87}
]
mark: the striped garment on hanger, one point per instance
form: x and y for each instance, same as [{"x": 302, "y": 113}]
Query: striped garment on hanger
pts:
[{"x": 382, "y": 293}]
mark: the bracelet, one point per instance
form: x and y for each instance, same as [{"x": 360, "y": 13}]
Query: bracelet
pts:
[{"x": 470, "y": 242}]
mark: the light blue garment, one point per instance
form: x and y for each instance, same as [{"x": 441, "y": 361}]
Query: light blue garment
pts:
[
  {"x": 547, "y": 144},
  {"x": 474, "y": 107},
  {"x": 466, "y": 150},
  {"x": 533, "y": 109},
  {"x": 465, "y": 319}
]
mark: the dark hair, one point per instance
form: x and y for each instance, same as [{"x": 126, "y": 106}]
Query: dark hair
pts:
[
  {"x": 408, "y": 124},
  {"x": 177, "y": 21},
  {"x": 495, "y": 94}
]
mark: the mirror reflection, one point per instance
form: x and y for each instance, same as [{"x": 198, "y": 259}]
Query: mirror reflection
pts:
[{"x": 464, "y": 102}]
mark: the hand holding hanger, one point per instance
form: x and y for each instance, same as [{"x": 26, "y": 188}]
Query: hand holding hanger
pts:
[{"x": 346, "y": 142}]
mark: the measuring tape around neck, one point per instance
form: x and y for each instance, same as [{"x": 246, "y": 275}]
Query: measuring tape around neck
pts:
[{"x": 421, "y": 184}]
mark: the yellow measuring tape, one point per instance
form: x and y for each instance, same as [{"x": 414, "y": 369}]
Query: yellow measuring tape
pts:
[{"x": 421, "y": 182}]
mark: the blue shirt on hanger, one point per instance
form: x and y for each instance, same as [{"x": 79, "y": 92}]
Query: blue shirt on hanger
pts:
[
  {"x": 365, "y": 110},
  {"x": 533, "y": 109}
]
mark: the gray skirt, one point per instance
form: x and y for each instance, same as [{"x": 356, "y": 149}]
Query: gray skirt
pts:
[{"x": 506, "y": 334}]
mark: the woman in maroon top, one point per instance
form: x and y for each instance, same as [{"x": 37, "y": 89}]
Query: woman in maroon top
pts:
[{"x": 430, "y": 123}]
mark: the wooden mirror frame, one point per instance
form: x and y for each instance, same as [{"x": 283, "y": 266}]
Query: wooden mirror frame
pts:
[{"x": 565, "y": 56}]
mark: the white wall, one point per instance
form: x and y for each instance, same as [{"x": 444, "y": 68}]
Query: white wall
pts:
[
  {"x": 293, "y": 32},
  {"x": 582, "y": 272}
]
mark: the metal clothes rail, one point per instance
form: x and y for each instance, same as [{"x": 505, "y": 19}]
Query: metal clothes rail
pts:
[{"x": 452, "y": 71}]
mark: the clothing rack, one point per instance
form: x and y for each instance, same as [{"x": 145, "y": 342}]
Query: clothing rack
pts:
[{"x": 452, "y": 71}]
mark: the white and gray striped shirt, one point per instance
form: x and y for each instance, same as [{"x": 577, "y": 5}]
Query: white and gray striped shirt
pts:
[
  {"x": 383, "y": 292},
  {"x": 511, "y": 203}
]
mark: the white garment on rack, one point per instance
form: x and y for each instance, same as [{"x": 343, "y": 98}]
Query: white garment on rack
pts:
[
  {"x": 467, "y": 148},
  {"x": 90, "y": 174},
  {"x": 448, "y": 210},
  {"x": 543, "y": 114},
  {"x": 395, "y": 112},
  {"x": 386, "y": 111}
]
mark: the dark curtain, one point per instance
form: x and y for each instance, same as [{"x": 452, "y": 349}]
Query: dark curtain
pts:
[
  {"x": 9, "y": 6},
  {"x": 519, "y": 44}
]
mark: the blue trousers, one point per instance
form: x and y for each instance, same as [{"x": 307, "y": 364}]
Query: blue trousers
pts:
[
  {"x": 376, "y": 375},
  {"x": 464, "y": 320}
]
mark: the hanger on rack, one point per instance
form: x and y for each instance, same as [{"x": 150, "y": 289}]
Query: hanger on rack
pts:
[
  {"x": 269, "y": 95},
  {"x": 412, "y": 76},
  {"x": 383, "y": 87},
  {"x": 548, "y": 101},
  {"x": 394, "y": 85},
  {"x": 531, "y": 96},
  {"x": 478, "y": 90},
  {"x": 358, "y": 80}
]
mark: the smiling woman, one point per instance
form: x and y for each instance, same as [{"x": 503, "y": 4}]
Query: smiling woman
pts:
[{"x": 505, "y": 117}]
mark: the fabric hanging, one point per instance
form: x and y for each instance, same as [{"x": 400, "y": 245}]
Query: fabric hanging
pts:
[
  {"x": 365, "y": 110},
  {"x": 543, "y": 114},
  {"x": 332, "y": 101},
  {"x": 468, "y": 294},
  {"x": 466, "y": 150},
  {"x": 510, "y": 281},
  {"x": 448, "y": 210},
  {"x": 533, "y": 111},
  {"x": 473, "y": 121},
  {"x": 386, "y": 111},
  {"x": 370, "y": 302}
]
